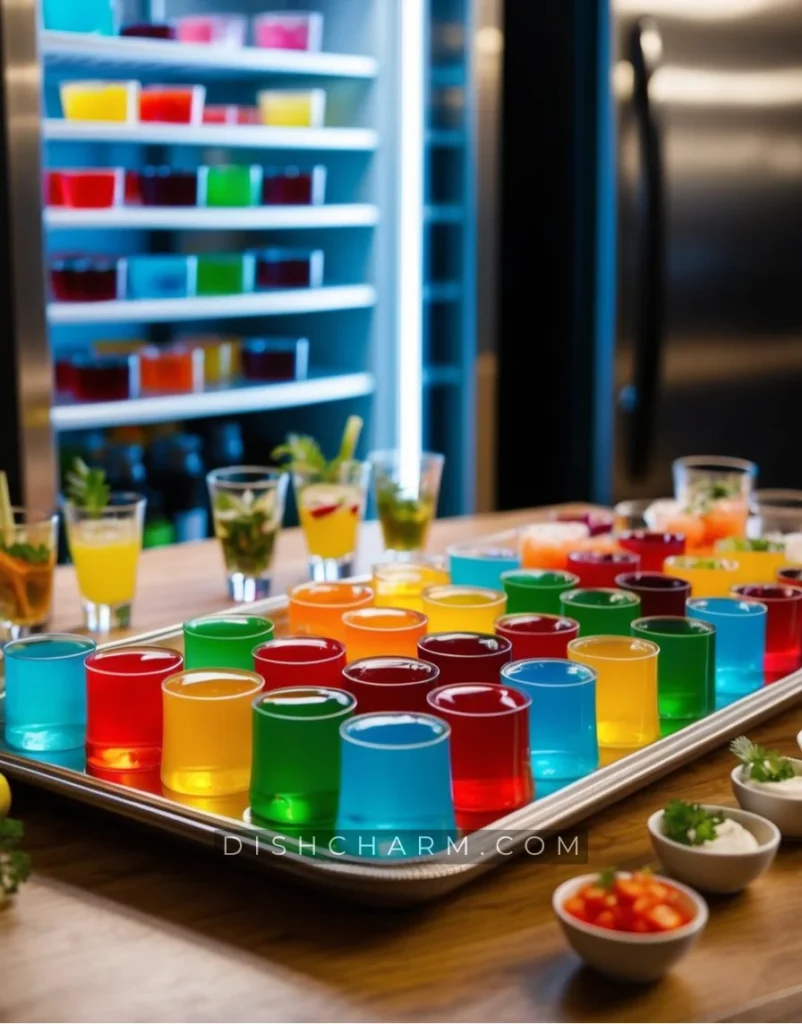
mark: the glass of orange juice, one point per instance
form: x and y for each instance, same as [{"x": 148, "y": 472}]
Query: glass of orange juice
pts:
[
  {"x": 373, "y": 632},
  {"x": 547, "y": 545},
  {"x": 626, "y": 687},
  {"x": 400, "y": 584},
  {"x": 207, "y": 738},
  {"x": 317, "y": 609},
  {"x": 104, "y": 546},
  {"x": 452, "y": 608}
]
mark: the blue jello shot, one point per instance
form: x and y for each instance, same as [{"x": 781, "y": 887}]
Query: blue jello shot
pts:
[{"x": 740, "y": 643}]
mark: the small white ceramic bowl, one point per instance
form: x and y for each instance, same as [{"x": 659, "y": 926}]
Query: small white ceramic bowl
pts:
[
  {"x": 629, "y": 956},
  {"x": 713, "y": 871},
  {"x": 784, "y": 811}
]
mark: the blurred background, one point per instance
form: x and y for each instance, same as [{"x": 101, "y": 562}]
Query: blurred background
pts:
[{"x": 559, "y": 242}]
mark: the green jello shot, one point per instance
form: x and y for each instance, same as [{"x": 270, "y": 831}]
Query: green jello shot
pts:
[
  {"x": 231, "y": 185},
  {"x": 226, "y": 274}
]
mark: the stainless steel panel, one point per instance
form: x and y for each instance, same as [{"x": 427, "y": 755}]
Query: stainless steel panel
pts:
[
  {"x": 22, "y": 86},
  {"x": 417, "y": 880},
  {"x": 728, "y": 96}
]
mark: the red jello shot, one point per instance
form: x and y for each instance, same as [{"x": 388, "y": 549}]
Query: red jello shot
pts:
[
  {"x": 54, "y": 188},
  {"x": 783, "y": 625},
  {"x": 172, "y": 104},
  {"x": 268, "y": 359},
  {"x": 466, "y": 657},
  {"x": 388, "y": 683},
  {"x": 124, "y": 706},
  {"x": 300, "y": 661},
  {"x": 148, "y": 30},
  {"x": 490, "y": 764},
  {"x": 537, "y": 636},
  {"x": 599, "y": 569},
  {"x": 292, "y": 187},
  {"x": 289, "y": 268},
  {"x": 653, "y": 548},
  {"x": 93, "y": 189},
  {"x": 163, "y": 186},
  {"x": 659, "y": 593},
  {"x": 87, "y": 279},
  {"x": 109, "y": 378}
]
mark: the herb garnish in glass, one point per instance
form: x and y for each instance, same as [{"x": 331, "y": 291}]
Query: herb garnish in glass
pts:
[
  {"x": 27, "y": 559},
  {"x": 406, "y": 498},
  {"x": 713, "y": 494},
  {"x": 247, "y": 507},
  {"x": 330, "y": 495}
]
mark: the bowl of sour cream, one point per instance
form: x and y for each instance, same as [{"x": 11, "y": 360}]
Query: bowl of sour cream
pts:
[
  {"x": 780, "y": 802},
  {"x": 741, "y": 850}
]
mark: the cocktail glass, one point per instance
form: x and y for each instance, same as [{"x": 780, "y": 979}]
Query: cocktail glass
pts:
[
  {"x": 406, "y": 498},
  {"x": 331, "y": 506},
  {"x": 27, "y": 559},
  {"x": 105, "y": 548},
  {"x": 248, "y": 507},
  {"x": 713, "y": 496},
  {"x": 776, "y": 512}
]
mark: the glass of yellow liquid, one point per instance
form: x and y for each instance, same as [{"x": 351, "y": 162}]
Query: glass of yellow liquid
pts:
[
  {"x": 708, "y": 577},
  {"x": 207, "y": 738},
  {"x": 401, "y": 584},
  {"x": 104, "y": 546},
  {"x": 453, "y": 608},
  {"x": 331, "y": 507},
  {"x": 626, "y": 688}
]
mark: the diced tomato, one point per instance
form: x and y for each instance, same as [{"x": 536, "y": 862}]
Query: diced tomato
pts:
[
  {"x": 606, "y": 919},
  {"x": 576, "y": 907},
  {"x": 628, "y": 890},
  {"x": 594, "y": 897},
  {"x": 640, "y": 926},
  {"x": 643, "y": 903},
  {"x": 624, "y": 919},
  {"x": 664, "y": 918}
]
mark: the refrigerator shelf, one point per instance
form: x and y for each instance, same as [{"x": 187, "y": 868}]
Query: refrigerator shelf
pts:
[
  {"x": 199, "y": 218},
  {"x": 77, "y": 52},
  {"x": 56, "y": 129},
  {"x": 268, "y": 303},
  {"x": 213, "y": 402}
]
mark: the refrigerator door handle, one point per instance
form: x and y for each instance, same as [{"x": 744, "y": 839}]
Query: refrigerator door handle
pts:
[{"x": 645, "y": 49}]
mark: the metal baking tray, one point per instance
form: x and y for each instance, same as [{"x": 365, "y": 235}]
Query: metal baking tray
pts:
[{"x": 412, "y": 880}]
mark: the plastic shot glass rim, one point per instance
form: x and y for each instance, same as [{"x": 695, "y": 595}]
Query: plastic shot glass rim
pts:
[
  {"x": 257, "y": 703},
  {"x": 211, "y": 674},
  {"x": 577, "y": 666},
  {"x": 338, "y": 649},
  {"x": 510, "y": 621},
  {"x": 93, "y": 660},
  {"x": 437, "y": 725},
  {"x": 569, "y": 579},
  {"x": 698, "y": 627},
  {"x": 430, "y": 700},
  {"x": 419, "y": 619},
  {"x": 191, "y": 626},
  {"x": 739, "y": 608},
  {"x": 492, "y": 597},
  {"x": 504, "y": 646},
  {"x": 668, "y": 582},
  {"x": 736, "y": 590},
  {"x": 494, "y": 552},
  {"x": 646, "y": 648},
  {"x": 15, "y": 648},
  {"x": 570, "y": 596},
  {"x": 296, "y": 595},
  {"x": 429, "y": 672}
]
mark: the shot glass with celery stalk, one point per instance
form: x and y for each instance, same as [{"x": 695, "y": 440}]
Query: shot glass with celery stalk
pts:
[
  {"x": 28, "y": 544},
  {"x": 330, "y": 495},
  {"x": 104, "y": 533},
  {"x": 407, "y": 489},
  {"x": 247, "y": 509}
]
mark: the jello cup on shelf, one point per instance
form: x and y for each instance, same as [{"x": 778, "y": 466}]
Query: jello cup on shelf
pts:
[
  {"x": 97, "y": 17},
  {"x": 169, "y": 186},
  {"x": 221, "y": 357},
  {"x": 546, "y": 545},
  {"x": 292, "y": 108},
  {"x": 92, "y": 188},
  {"x": 230, "y": 185},
  {"x": 87, "y": 278},
  {"x": 293, "y": 186},
  {"x": 54, "y": 188},
  {"x": 226, "y": 273},
  {"x": 269, "y": 359},
  {"x": 149, "y": 30},
  {"x": 167, "y": 276},
  {"x": 172, "y": 104},
  {"x": 220, "y": 29},
  {"x": 289, "y": 268},
  {"x": 176, "y": 368},
  {"x": 104, "y": 378},
  {"x": 100, "y": 101},
  {"x": 289, "y": 30}
]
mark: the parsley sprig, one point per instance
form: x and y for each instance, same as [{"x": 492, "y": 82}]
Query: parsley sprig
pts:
[
  {"x": 15, "y": 866},
  {"x": 690, "y": 824},
  {"x": 87, "y": 488},
  {"x": 762, "y": 765}
]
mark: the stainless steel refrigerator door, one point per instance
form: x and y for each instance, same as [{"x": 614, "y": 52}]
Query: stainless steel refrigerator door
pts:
[{"x": 725, "y": 94}]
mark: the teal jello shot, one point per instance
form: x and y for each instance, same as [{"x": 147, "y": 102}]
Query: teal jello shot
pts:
[{"x": 231, "y": 185}]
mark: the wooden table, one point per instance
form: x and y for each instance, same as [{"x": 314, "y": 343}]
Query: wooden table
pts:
[{"x": 118, "y": 924}]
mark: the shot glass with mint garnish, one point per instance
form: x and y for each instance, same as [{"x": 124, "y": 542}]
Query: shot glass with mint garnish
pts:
[
  {"x": 406, "y": 498},
  {"x": 28, "y": 543},
  {"x": 247, "y": 508},
  {"x": 330, "y": 495}
]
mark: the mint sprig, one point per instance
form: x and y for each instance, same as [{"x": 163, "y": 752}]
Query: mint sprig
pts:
[{"x": 87, "y": 488}]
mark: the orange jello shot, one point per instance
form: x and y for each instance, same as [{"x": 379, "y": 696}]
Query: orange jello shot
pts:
[
  {"x": 317, "y": 609},
  {"x": 375, "y": 632},
  {"x": 547, "y": 545}
]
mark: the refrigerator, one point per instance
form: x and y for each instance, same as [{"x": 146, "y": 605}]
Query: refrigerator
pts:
[
  {"x": 651, "y": 236},
  {"x": 391, "y": 329}
]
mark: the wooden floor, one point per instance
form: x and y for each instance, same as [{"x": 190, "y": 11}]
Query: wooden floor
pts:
[{"x": 118, "y": 924}]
